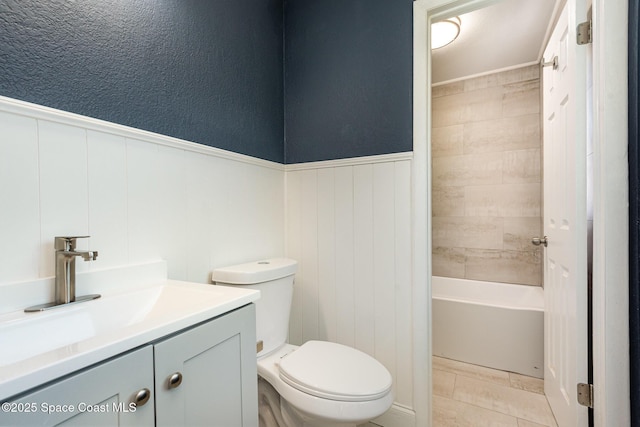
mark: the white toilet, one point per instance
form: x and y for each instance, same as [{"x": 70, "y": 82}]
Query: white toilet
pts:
[{"x": 319, "y": 383}]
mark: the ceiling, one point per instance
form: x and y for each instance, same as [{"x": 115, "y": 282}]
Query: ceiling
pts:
[{"x": 503, "y": 35}]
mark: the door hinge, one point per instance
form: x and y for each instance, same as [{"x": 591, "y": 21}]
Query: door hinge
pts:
[
  {"x": 585, "y": 394},
  {"x": 584, "y": 33}
]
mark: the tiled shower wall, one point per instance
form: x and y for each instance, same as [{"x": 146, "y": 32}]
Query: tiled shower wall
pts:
[{"x": 486, "y": 149}]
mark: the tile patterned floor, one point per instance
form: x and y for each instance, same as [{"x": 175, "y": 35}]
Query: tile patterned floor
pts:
[{"x": 475, "y": 396}]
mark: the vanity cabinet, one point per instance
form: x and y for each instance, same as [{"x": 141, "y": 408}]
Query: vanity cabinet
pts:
[
  {"x": 207, "y": 376},
  {"x": 98, "y": 396},
  {"x": 204, "y": 375}
]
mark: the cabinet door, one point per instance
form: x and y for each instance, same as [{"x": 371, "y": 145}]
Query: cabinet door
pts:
[
  {"x": 98, "y": 396},
  {"x": 217, "y": 365}
]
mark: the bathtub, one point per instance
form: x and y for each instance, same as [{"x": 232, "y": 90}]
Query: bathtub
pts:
[{"x": 496, "y": 325}]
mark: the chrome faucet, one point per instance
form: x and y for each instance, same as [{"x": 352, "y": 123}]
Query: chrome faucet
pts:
[
  {"x": 66, "y": 267},
  {"x": 65, "y": 282}
]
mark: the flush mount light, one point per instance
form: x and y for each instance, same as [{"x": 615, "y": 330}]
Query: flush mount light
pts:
[{"x": 444, "y": 32}]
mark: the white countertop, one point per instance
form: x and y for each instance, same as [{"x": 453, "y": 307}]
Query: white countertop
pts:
[{"x": 39, "y": 347}]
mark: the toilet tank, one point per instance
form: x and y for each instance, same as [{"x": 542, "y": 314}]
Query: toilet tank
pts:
[{"x": 274, "y": 279}]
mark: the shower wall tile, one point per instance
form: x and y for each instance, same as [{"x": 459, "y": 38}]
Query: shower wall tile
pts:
[
  {"x": 519, "y": 231},
  {"x": 447, "y": 89},
  {"x": 484, "y": 104},
  {"x": 505, "y": 200},
  {"x": 467, "y": 232},
  {"x": 521, "y": 98},
  {"x": 521, "y": 166},
  {"x": 506, "y": 77},
  {"x": 447, "y": 141},
  {"x": 448, "y": 262},
  {"x": 503, "y": 266},
  {"x": 486, "y": 170},
  {"x": 467, "y": 170},
  {"x": 502, "y": 134},
  {"x": 448, "y": 201}
]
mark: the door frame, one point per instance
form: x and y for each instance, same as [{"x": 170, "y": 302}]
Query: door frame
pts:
[
  {"x": 610, "y": 216},
  {"x": 610, "y": 192},
  {"x": 634, "y": 208}
]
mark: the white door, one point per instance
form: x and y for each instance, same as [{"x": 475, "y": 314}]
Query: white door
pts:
[{"x": 565, "y": 261}]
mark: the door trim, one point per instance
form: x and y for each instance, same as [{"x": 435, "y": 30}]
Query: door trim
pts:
[
  {"x": 421, "y": 218},
  {"x": 611, "y": 218},
  {"x": 611, "y": 196},
  {"x": 634, "y": 208}
]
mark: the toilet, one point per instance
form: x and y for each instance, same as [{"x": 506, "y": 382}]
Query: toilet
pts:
[{"x": 319, "y": 383}]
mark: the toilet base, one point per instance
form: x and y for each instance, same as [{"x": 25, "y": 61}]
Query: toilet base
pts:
[
  {"x": 269, "y": 412},
  {"x": 276, "y": 412},
  {"x": 295, "y": 418}
]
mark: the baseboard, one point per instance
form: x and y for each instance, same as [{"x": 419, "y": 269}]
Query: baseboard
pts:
[{"x": 396, "y": 416}]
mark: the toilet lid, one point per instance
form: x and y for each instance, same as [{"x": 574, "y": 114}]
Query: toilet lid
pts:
[{"x": 334, "y": 371}]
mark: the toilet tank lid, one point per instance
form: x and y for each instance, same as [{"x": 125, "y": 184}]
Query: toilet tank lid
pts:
[{"x": 255, "y": 272}]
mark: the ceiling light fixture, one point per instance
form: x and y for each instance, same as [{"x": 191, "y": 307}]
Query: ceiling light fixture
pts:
[{"x": 444, "y": 32}]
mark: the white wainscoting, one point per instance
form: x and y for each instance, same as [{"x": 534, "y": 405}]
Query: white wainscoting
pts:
[
  {"x": 141, "y": 196},
  {"x": 349, "y": 226},
  {"x": 144, "y": 197}
]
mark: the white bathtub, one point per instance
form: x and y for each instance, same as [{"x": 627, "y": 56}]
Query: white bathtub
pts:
[{"x": 496, "y": 325}]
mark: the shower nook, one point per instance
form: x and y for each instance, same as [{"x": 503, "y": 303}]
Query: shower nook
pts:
[{"x": 488, "y": 305}]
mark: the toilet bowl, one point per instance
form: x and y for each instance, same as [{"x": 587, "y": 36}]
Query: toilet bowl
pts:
[
  {"x": 327, "y": 384},
  {"x": 319, "y": 383}
]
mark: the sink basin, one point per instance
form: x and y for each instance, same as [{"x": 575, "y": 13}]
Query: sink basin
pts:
[
  {"x": 68, "y": 325},
  {"x": 37, "y": 347}
]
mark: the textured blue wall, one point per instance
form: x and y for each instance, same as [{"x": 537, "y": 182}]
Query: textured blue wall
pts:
[
  {"x": 204, "y": 71},
  {"x": 348, "y": 78}
]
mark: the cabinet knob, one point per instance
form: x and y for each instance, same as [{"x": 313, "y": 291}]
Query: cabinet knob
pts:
[
  {"x": 174, "y": 380},
  {"x": 141, "y": 397}
]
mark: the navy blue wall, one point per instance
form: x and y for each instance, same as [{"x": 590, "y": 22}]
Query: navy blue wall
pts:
[
  {"x": 204, "y": 71},
  {"x": 348, "y": 78}
]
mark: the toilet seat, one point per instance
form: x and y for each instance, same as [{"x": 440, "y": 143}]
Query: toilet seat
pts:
[{"x": 334, "y": 371}]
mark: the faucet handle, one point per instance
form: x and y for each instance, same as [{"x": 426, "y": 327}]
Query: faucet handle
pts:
[{"x": 67, "y": 243}]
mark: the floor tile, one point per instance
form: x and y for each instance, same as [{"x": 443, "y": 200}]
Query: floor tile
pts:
[
  {"x": 451, "y": 413},
  {"x": 443, "y": 383},
  {"x": 518, "y": 403},
  {"x": 524, "y": 382},
  {"x": 471, "y": 371},
  {"x": 525, "y": 423}
]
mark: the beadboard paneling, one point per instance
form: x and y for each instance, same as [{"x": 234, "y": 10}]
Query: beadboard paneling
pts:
[
  {"x": 327, "y": 255},
  {"x": 141, "y": 197},
  {"x": 64, "y": 199},
  {"x": 349, "y": 226},
  {"x": 345, "y": 250},
  {"x": 19, "y": 198},
  {"x": 107, "y": 198}
]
